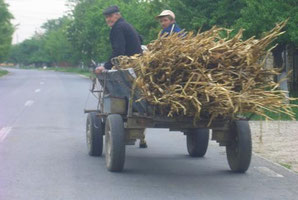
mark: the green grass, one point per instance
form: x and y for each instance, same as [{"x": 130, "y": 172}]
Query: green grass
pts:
[
  {"x": 84, "y": 72},
  {"x": 288, "y": 166},
  {"x": 3, "y": 72},
  {"x": 27, "y": 67}
]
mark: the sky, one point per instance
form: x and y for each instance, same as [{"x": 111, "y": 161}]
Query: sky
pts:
[{"x": 31, "y": 14}]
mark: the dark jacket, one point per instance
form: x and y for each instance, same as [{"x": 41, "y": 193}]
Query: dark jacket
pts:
[
  {"x": 125, "y": 40},
  {"x": 173, "y": 28}
]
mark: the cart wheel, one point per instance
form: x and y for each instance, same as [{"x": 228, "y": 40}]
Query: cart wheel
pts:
[
  {"x": 239, "y": 152},
  {"x": 115, "y": 143},
  {"x": 94, "y": 134},
  {"x": 197, "y": 142}
]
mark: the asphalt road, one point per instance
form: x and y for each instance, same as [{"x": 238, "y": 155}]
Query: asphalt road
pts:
[{"x": 43, "y": 153}]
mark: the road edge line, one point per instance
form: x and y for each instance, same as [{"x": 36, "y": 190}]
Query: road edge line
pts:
[{"x": 83, "y": 76}]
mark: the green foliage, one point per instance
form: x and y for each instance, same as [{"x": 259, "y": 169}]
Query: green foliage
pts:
[
  {"x": 288, "y": 166},
  {"x": 56, "y": 44},
  {"x": 6, "y": 30},
  {"x": 50, "y": 48},
  {"x": 203, "y": 14},
  {"x": 89, "y": 33},
  {"x": 84, "y": 35},
  {"x": 255, "y": 16},
  {"x": 75, "y": 70},
  {"x": 30, "y": 51},
  {"x": 259, "y": 16}
]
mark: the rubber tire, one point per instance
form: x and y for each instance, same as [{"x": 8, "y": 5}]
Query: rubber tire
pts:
[
  {"x": 95, "y": 139},
  {"x": 240, "y": 151},
  {"x": 115, "y": 143},
  {"x": 197, "y": 142}
]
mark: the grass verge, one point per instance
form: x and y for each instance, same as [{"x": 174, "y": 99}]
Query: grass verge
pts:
[
  {"x": 3, "y": 72},
  {"x": 80, "y": 71},
  {"x": 288, "y": 166},
  {"x": 84, "y": 72}
]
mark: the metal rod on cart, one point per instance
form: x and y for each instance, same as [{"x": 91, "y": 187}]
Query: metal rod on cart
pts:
[
  {"x": 130, "y": 103},
  {"x": 104, "y": 91}
]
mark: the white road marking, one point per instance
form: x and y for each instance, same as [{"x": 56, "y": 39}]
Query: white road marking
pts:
[
  {"x": 276, "y": 164},
  {"x": 29, "y": 103},
  {"x": 37, "y": 90},
  {"x": 269, "y": 172},
  {"x": 41, "y": 83},
  {"x": 4, "y": 132}
]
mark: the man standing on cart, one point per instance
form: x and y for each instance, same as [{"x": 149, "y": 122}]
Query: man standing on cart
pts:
[{"x": 125, "y": 41}]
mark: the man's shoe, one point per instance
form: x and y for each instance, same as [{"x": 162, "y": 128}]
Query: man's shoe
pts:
[{"x": 143, "y": 145}]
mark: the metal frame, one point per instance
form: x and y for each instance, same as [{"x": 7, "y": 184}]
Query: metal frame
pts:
[
  {"x": 136, "y": 121},
  {"x": 137, "y": 116}
]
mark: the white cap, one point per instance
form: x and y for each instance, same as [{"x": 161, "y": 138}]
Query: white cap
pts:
[{"x": 166, "y": 13}]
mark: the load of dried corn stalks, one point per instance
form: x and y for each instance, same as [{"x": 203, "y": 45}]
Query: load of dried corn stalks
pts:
[{"x": 205, "y": 75}]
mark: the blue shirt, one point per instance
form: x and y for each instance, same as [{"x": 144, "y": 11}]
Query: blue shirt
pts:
[{"x": 173, "y": 28}]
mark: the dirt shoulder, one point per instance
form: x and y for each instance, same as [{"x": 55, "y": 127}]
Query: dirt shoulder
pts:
[{"x": 276, "y": 141}]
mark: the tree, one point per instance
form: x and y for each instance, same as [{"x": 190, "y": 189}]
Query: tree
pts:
[
  {"x": 255, "y": 16},
  {"x": 89, "y": 33},
  {"x": 29, "y": 52},
  {"x": 51, "y": 47},
  {"x": 84, "y": 35},
  {"x": 259, "y": 16},
  {"x": 6, "y": 30},
  {"x": 56, "y": 44},
  {"x": 193, "y": 15}
]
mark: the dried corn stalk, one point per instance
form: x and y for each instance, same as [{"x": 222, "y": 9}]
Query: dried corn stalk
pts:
[{"x": 205, "y": 75}]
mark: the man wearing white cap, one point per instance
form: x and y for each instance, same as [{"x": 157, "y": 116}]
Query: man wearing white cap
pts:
[{"x": 168, "y": 23}]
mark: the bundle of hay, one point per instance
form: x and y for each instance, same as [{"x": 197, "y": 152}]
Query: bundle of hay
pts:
[{"x": 206, "y": 75}]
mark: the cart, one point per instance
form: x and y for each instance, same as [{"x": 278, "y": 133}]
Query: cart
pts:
[{"x": 120, "y": 120}]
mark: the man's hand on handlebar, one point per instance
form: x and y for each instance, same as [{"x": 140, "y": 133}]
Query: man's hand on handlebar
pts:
[{"x": 99, "y": 69}]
